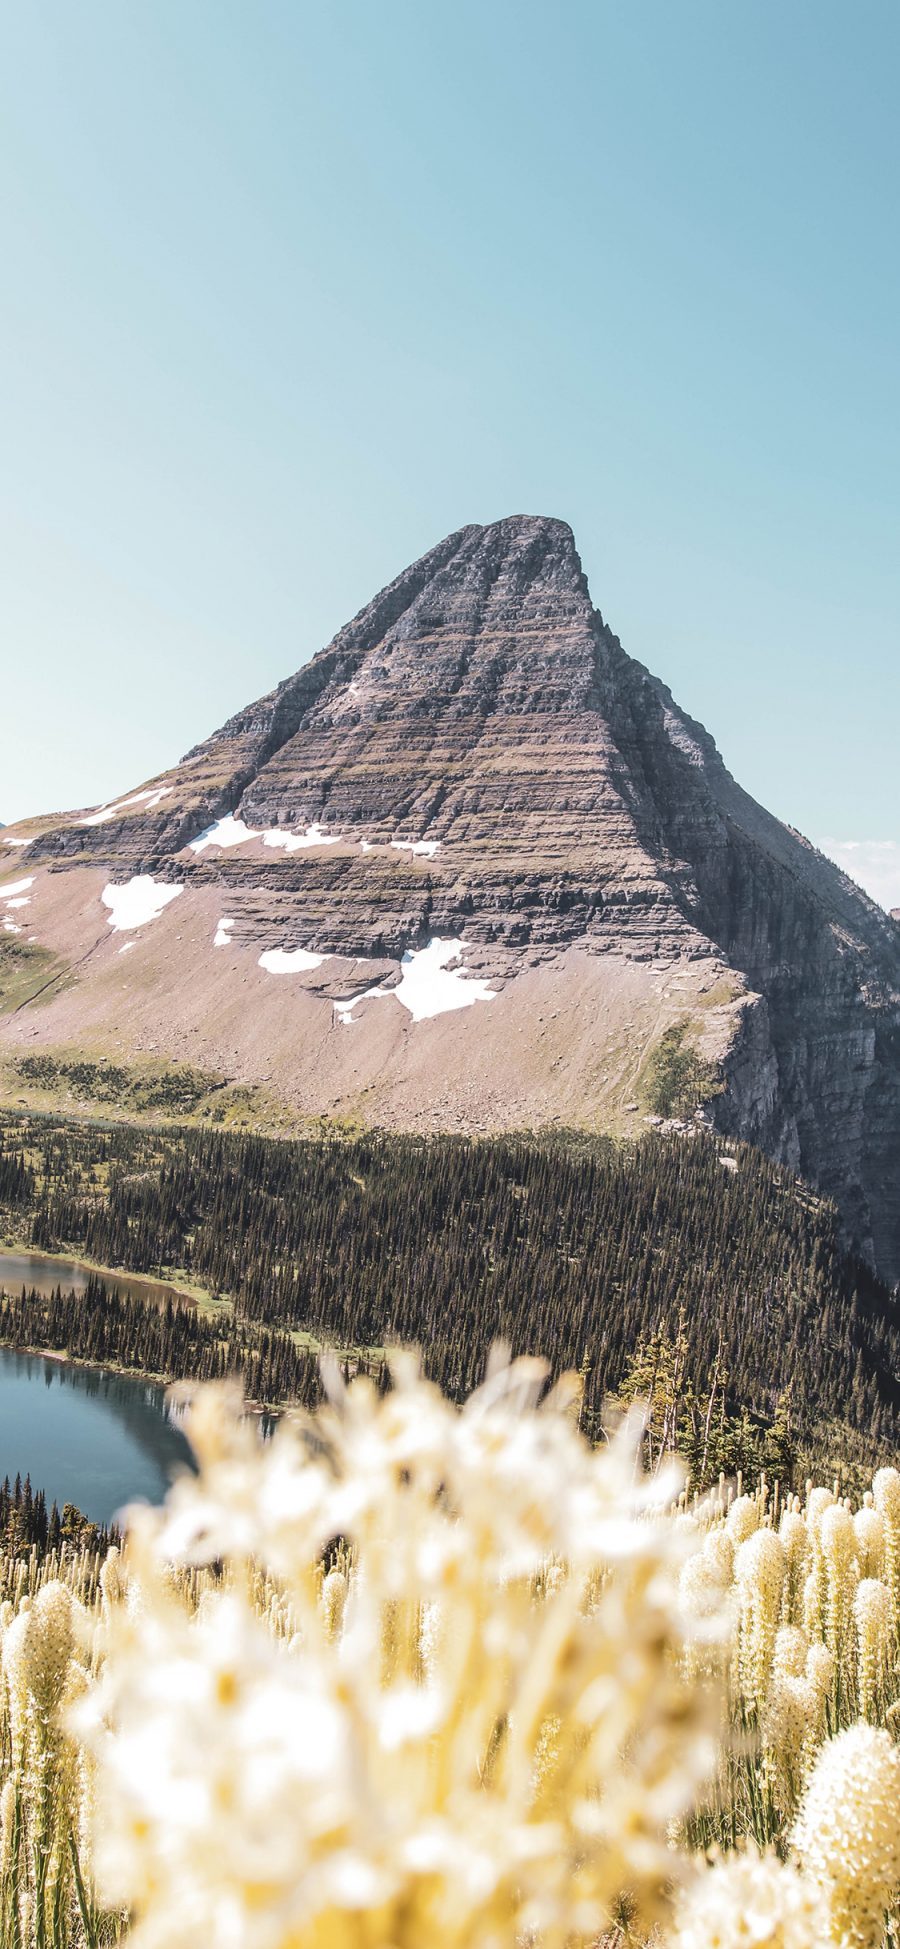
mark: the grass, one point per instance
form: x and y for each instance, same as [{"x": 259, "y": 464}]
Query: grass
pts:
[
  {"x": 25, "y": 971},
  {"x": 676, "y": 1078},
  {"x": 174, "y": 1089},
  {"x": 72, "y": 1080}
]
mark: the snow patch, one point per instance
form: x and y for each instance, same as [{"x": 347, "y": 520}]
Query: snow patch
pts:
[
  {"x": 296, "y": 842},
  {"x": 223, "y": 933},
  {"x": 234, "y": 832},
  {"x": 9, "y": 927},
  {"x": 728, "y": 1163},
  {"x": 426, "y": 847},
  {"x": 23, "y": 901},
  {"x": 128, "y": 947},
  {"x": 289, "y": 960},
  {"x": 139, "y": 900},
  {"x": 14, "y": 887},
  {"x": 224, "y": 832},
  {"x": 149, "y": 798},
  {"x": 429, "y": 984},
  {"x": 8, "y": 840}
]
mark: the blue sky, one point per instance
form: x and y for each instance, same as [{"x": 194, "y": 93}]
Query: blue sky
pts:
[{"x": 289, "y": 291}]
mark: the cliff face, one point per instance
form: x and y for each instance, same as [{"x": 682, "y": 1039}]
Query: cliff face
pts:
[
  {"x": 814, "y": 1070},
  {"x": 476, "y": 759}
]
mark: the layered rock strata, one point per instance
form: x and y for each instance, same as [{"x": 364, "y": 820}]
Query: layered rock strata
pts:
[{"x": 475, "y": 757}]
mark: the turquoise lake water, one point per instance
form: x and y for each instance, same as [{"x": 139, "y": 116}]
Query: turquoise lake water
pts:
[{"x": 86, "y": 1436}]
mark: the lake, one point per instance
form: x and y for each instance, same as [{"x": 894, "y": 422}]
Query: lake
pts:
[
  {"x": 84, "y": 1435},
  {"x": 39, "y": 1270}
]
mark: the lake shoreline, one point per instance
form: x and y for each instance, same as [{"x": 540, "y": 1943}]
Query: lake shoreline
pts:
[
  {"x": 175, "y": 1283},
  {"x": 95, "y": 1436},
  {"x": 166, "y": 1381},
  {"x": 159, "y": 1290}
]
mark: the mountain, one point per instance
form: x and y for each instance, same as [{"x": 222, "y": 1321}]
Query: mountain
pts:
[{"x": 470, "y": 868}]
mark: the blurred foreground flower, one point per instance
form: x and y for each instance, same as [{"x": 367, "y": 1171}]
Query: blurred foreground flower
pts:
[
  {"x": 439, "y": 1694},
  {"x": 750, "y": 1900}
]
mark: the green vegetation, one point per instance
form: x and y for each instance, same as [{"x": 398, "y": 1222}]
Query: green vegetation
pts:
[
  {"x": 568, "y": 1243},
  {"x": 175, "y": 1090},
  {"x": 701, "y": 1422},
  {"x": 29, "y": 1529},
  {"x": 65, "y": 1079},
  {"x": 677, "y": 1077},
  {"x": 168, "y": 1340},
  {"x": 25, "y": 970}
]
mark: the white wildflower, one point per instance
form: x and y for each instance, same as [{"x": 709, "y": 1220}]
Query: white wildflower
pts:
[
  {"x": 748, "y": 1899},
  {"x": 789, "y": 1656},
  {"x": 872, "y": 1617},
  {"x": 759, "y": 1575},
  {"x": 868, "y": 1525},
  {"x": 742, "y": 1519},
  {"x": 847, "y": 1834},
  {"x": 460, "y": 1746}
]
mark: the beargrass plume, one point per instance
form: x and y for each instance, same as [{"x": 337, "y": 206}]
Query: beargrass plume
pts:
[{"x": 411, "y": 1672}]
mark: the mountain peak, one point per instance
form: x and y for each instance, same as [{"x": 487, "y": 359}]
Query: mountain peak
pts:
[
  {"x": 535, "y": 540},
  {"x": 500, "y": 563},
  {"x": 526, "y": 527},
  {"x": 474, "y": 795},
  {"x": 497, "y": 559}
]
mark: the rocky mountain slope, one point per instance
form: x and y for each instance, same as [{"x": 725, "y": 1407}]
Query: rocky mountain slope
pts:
[{"x": 465, "y": 870}]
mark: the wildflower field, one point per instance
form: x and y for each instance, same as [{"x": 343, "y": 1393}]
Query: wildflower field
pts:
[{"x": 412, "y": 1674}]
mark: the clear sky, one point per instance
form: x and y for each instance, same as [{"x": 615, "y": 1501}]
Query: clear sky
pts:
[{"x": 291, "y": 290}]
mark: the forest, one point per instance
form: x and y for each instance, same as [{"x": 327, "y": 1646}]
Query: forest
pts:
[
  {"x": 28, "y": 1527},
  {"x": 169, "y": 1341},
  {"x": 622, "y": 1261}
]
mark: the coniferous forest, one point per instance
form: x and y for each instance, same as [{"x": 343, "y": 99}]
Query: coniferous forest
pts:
[
  {"x": 603, "y": 1257},
  {"x": 170, "y": 1341},
  {"x": 27, "y": 1525}
]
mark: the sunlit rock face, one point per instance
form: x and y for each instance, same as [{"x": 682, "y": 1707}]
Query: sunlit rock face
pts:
[{"x": 475, "y": 759}]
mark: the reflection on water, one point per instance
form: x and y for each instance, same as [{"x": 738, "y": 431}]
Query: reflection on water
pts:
[
  {"x": 84, "y": 1435},
  {"x": 38, "y": 1272}
]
